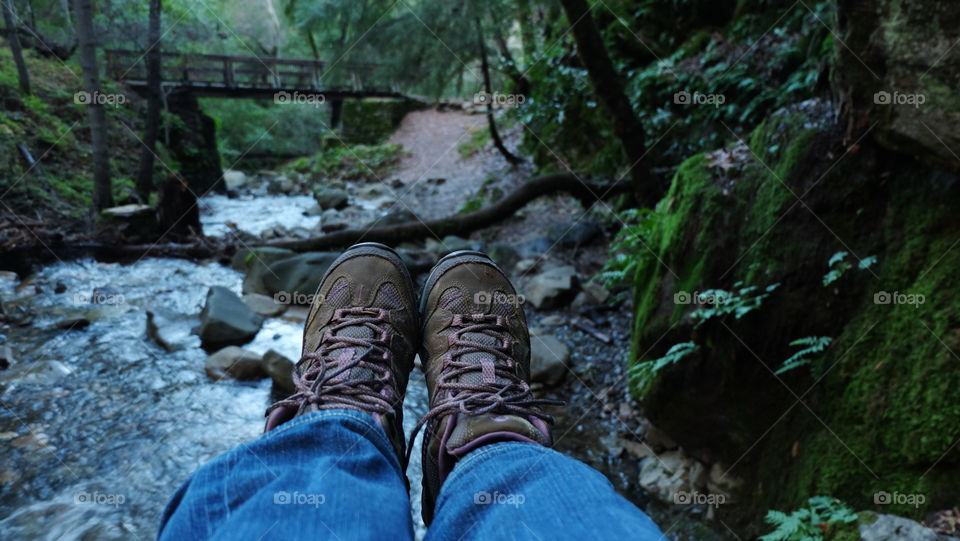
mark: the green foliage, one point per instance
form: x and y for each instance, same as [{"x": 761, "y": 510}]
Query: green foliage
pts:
[
  {"x": 739, "y": 302},
  {"x": 838, "y": 265},
  {"x": 479, "y": 137},
  {"x": 629, "y": 248},
  {"x": 643, "y": 372},
  {"x": 812, "y": 345},
  {"x": 351, "y": 162},
  {"x": 486, "y": 193},
  {"x": 808, "y": 523}
]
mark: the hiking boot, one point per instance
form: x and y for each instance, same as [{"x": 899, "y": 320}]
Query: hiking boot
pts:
[
  {"x": 359, "y": 342},
  {"x": 476, "y": 357}
]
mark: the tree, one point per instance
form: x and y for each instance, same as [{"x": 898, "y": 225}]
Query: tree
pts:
[
  {"x": 488, "y": 89},
  {"x": 610, "y": 94},
  {"x": 154, "y": 103},
  {"x": 13, "y": 39},
  {"x": 102, "y": 189}
]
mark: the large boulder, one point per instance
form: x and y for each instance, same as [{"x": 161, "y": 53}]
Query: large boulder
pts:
[
  {"x": 894, "y": 528},
  {"x": 233, "y": 362},
  {"x": 172, "y": 331},
  {"x": 330, "y": 198},
  {"x": 898, "y": 73},
  {"x": 226, "y": 320},
  {"x": 295, "y": 279}
]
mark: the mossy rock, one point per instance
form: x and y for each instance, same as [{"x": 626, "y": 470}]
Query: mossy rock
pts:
[{"x": 878, "y": 409}]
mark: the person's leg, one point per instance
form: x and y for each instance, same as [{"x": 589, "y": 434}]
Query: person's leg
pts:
[
  {"x": 526, "y": 491},
  {"x": 488, "y": 470},
  {"x": 329, "y": 474},
  {"x": 328, "y": 465}
]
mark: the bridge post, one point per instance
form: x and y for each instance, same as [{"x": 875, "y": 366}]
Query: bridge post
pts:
[
  {"x": 336, "y": 112},
  {"x": 228, "y": 73}
]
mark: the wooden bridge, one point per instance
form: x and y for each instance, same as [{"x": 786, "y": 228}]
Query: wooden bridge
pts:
[{"x": 223, "y": 76}]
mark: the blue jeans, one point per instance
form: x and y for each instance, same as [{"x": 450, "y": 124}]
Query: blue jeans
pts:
[{"x": 333, "y": 474}]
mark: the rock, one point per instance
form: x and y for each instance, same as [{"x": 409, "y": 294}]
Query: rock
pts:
[
  {"x": 295, "y": 279},
  {"x": 136, "y": 222},
  {"x": 573, "y": 235},
  {"x": 503, "y": 254},
  {"x": 553, "y": 320},
  {"x": 582, "y": 300},
  {"x": 396, "y": 215},
  {"x": 170, "y": 330},
  {"x": 246, "y": 259},
  {"x": 280, "y": 369},
  {"x": 263, "y": 305},
  {"x": 60, "y": 287},
  {"x": 436, "y": 181},
  {"x": 893, "y": 528},
  {"x": 7, "y": 357},
  {"x": 37, "y": 373},
  {"x": 449, "y": 244},
  {"x": 314, "y": 211},
  {"x": 553, "y": 288},
  {"x": 525, "y": 265},
  {"x": 281, "y": 185},
  {"x": 71, "y": 323},
  {"x": 330, "y": 198},
  {"x": 656, "y": 438},
  {"x": 234, "y": 179},
  {"x": 548, "y": 359},
  {"x": 226, "y": 320},
  {"x": 671, "y": 476},
  {"x": 537, "y": 247},
  {"x": 596, "y": 291},
  {"x": 236, "y": 363}
]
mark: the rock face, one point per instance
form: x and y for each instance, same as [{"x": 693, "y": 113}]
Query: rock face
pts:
[
  {"x": 226, "y": 320},
  {"x": 233, "y": 362},
  {"x": 296, "y": 278},
  {"x": 721, "y": 399},
  {"x": 553, "y": 288},
  {"x": 280, "y": 369},
  {"x": 548, "y": 359},
  {"x": 899, "y": 68}
]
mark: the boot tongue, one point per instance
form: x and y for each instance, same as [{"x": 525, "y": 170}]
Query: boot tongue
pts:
[
  {"x": 473, "y": 431},
  {"x": 349, "y": 353}
]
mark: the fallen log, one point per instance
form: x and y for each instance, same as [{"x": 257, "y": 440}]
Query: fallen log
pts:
[{"x": 587, "y": 193}]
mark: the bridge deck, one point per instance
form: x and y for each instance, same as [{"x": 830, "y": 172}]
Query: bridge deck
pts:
[{"x": 241, "y": 76}]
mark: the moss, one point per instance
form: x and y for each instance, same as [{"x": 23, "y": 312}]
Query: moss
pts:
[{"x": 370, "y": 121}]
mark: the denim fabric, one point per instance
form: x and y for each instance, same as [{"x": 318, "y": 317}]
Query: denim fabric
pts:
[{"x": 334, "y": 475}]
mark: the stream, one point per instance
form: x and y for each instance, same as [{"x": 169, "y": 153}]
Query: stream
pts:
[{"x": 98, "y": 423}]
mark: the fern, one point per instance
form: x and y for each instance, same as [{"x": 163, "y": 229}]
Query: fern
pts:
[
  {"x": 739, "y": 302},
  {"x": 808, "y": 523},
  {"x": 647, "y": 369},
  {"x": 838, "y": 265},
  {"x": 814, "y": 345}
]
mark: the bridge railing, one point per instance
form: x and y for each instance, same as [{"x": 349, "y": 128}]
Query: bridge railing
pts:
[{"x": 193, "y": 70}]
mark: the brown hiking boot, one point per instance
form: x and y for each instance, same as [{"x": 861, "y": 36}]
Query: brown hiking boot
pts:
[
  {"x": 476, "y": 357},
  {"x": 359, "y": 342}
]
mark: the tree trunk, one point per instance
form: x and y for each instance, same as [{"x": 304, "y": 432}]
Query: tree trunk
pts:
[
  {"x": 14, "y": 40},
  {"x": 154, "y": 103},
  {"x": 102, "y": 191},
  {"x": 488, "y": 88},
  {"x": 610, "y": 94}
]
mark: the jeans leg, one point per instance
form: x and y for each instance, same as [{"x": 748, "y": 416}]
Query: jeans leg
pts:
[
  {"x": 326, "y": 474},
  {"x": 525, "y": 491}
]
